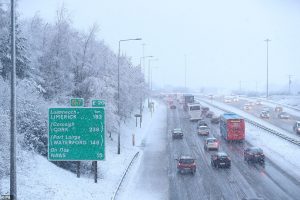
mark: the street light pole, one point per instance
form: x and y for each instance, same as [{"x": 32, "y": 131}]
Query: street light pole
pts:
[
  {"x": 149, "y": 83},
  {"x": 119, "y": 135},
  {"x": 290, "y": 82},
  {"x": 151, "y": 75},
  {"x": 185, "y": 72},
  {"x": 144, "y": 59},
  {"x": 267, "y": 41},
  {"x": 13, "y": 169}
]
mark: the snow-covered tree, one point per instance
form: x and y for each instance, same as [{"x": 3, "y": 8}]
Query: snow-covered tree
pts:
[{"x": 22, "y": 54}]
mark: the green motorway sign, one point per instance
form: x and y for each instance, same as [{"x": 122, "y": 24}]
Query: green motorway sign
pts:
[
  {"x": 76, "y": 134},
  {"x": 77, "y": 102},
  {"x": 98, "y": 103}
]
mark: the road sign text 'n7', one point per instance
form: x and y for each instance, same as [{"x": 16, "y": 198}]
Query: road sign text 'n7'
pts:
[
  {"x": 98, "y": 103},
  {"x": 76, "y": 134}
]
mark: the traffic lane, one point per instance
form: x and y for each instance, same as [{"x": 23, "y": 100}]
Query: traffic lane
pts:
[
  {"x": 269, "y": 181},
  {"x": 285, "y": 124},
  {"x": 182, "y": 186},
  {"x": 231, "y": 185},
  {"x": 228, "y": 183},
  {"x": 216, "y": 186}
]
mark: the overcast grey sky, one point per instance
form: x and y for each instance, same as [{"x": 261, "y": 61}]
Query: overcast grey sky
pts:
[{"x": 223, "y": 39}]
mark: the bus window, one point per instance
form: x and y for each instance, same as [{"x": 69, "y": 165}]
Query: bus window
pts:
[{"x": 195, "y": 108}]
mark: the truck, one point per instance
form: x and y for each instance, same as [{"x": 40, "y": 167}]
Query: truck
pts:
[
  {"x": 188, "y": 98},
  {"x": 232, "y": 127}
]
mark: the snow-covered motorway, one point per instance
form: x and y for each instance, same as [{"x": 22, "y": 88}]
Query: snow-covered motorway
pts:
[
  {"x": 241, "y": 180},
  {"x": 155, "y": 176}
]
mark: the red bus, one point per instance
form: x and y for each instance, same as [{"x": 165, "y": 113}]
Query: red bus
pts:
[{"x": 232, "y": 127}]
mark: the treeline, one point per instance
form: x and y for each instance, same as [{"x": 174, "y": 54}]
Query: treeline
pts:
[{"x": 56, "y": 62}]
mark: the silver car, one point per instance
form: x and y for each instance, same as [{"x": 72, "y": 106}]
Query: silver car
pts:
[
  {"x": 211, "y": 144},
  {"x": 203, "y": 130}
]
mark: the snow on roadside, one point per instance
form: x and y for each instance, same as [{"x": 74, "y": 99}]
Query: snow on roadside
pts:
[
  {"x": 39, "y": 179},
  {"x": 293, "y": 101},
  {"x": 140, "y": 183},
  {"x": 283, "y": 153}
]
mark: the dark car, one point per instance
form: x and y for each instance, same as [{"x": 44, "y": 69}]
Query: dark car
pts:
[
  {"x": 173, "y": 107},
  {"x": 220, "y": 159},
  {"x": 215, "y": 120},
  {"x": 254, "y": 154},
  {"x": 205, "y": 109},
  {"x": 283, "y": 115},
  {"x": 201, "y": 123},
  {"x": 186, "y": 164},
  {"x": 296, "y": 127},
  {"x": 177, "y": 133}
]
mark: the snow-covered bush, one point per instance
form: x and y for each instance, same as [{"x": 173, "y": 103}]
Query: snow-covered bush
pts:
[
  {"x": 31, "y": 117},
  {"x": 4, "y": 128}
]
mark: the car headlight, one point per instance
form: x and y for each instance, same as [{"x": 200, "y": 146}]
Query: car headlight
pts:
[{"x": 298, "y": 129}]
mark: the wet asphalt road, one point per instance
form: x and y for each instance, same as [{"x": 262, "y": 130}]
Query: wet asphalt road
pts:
[{"x": 241, "y": 180}]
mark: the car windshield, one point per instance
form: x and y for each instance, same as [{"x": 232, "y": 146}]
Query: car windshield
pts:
[
  {"x": 211, "y": 140},
  {"x": 177, "y": 130},
  {"x": 223, "y": 156},
  {"x": 256, "y": 150},
  {"x": 186, "y": 161},
  {"x": 203, "y": 127}
]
